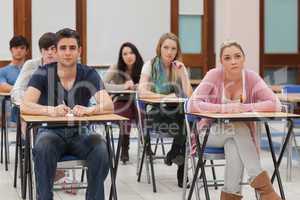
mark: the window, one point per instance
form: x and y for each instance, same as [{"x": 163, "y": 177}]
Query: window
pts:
[{"x": 279, "y": 44}]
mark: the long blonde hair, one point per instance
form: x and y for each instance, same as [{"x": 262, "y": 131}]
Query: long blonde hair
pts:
[{"x": 178, "y": 56}]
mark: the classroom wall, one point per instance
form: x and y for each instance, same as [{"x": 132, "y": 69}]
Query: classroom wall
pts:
[
  {"x": 238, "y": 20},
  {"x": 48, "y": 17},
  {"x": 108, "y": 26},
  {"x": 110, "y": 23}
]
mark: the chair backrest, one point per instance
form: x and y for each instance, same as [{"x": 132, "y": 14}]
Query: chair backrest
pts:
[
  {"x": 211, "y": 153},
  {"x": 290, "y": 89}
]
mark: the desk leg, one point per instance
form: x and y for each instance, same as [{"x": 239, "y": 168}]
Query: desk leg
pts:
[
  {"x": 18, "y": 144},
  {"x": 275, "y": 162},
  {"x": 111, "y": 164},
  {"x": 2, "y": 128},
  {"x": 5, "y": 133},
  {"x": 28, "y": 167},
  {"x": 200, "y": 164},
  {"x": 117, "y": 155}
]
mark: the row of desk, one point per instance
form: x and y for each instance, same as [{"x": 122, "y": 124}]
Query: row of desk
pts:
[{"x": 37, "y": 121}]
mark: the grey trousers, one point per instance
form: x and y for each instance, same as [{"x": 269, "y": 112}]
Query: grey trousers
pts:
[{"x": 240, "y": 153}]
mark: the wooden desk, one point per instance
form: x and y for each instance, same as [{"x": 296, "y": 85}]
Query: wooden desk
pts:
[
  {"x": 291, "y": 97},
  {"x": 250, "y": 116},
  {"x": 195, "y": 82},
  {"x": 37, "y": 121},
  {"x": 160, "y": 100},
  {"x": 4, "y": 136},
  {"x": 122, "y": 94},
  {"x": 147, "y": 143}
]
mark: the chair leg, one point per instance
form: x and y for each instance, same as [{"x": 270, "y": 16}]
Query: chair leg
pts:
[
  {"x": 82, "y": 175},
  {"x": 156, "y": 144},
  {"x": 163, "y": 146},
  {"x": 214, "y": 174}
]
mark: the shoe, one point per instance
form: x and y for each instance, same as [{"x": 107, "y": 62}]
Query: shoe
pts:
[
  {"x": 264, "y": 187},
  {"x": 172, "y": 155},
  {"x": 180, "y": 173},
  {"x": 230, "y": 196},
  {"x": 125, "y": 149}
]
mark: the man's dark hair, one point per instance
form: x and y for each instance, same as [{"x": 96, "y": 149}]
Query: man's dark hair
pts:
[
  {"x": 47, "y": 40},
  {"x": 18, "y": 41},
  {"x": 67, "y": 33}
]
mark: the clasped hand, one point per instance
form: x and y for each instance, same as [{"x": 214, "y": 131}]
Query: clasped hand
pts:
[
  {"x": 63, "y": 110},
  {"x": 232, "y": 108}
]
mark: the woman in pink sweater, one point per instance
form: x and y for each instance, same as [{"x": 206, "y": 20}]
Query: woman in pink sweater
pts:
[{"x": 234, "y": 89}]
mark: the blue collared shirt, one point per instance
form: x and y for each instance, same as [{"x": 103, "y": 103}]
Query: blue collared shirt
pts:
[{"x": 9, "y": 74}]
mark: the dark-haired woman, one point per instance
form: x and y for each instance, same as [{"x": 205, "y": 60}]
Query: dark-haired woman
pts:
[{"x": 124, "y": 76}]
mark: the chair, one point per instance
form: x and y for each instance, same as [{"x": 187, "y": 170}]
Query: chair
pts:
[
  {"x": 70, "y": 162},
  {"x": 209, "y": 153},
  {"x": 144, "y": 147},
  {"x": 291, "y": 89}
]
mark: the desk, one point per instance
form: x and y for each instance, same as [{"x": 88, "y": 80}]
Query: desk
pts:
[
  {"x": 195, "y": 82},
  {"x": 147, "y": 145},
  {"x": 290, "y": 97},
  {"x": 127, "y": 94},
  {"x": 4, "y": 136},
  {"x": 250, "y": 116},
  {"x": 38, "y": 121}
]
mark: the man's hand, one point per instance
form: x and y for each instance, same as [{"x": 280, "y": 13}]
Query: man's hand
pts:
[
  {"x": 80, "y": 111},
  {"x": 59, "y": 111}
]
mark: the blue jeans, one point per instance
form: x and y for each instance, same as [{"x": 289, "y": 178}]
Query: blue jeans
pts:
[{"x": 53, "y": 143}]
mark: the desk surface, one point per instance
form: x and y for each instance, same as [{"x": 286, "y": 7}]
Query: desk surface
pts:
[
  {"x": 94, "y": 118},
  {"x": 291, "y": 97},
  {"x": 4, "y": 94},
  {"x": 122, "y": 91},
  {"x": 195, "y": 82},
  {"x": 247, "y": 115},
  {"x": 163, "y": 100}
]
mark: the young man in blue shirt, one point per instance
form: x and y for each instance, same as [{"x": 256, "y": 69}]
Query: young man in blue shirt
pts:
[
  {"x": 18, "y": 46},
  {"x": 56, "y": 90}
]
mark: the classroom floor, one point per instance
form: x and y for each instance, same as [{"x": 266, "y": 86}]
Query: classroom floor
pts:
[{"x": 129, "y": 189}]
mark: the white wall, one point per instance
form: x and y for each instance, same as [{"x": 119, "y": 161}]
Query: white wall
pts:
[
  {"x": 110, "y": 23},
  {"x": 47, "y": 16},
  {"x": 7, "y": 28},
  {"x": 238, "y": 20}
]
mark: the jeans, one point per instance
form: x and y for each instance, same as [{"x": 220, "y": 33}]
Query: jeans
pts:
[
  {"x": 240, "y": 153},
  {"x": 53, "y": 143}
]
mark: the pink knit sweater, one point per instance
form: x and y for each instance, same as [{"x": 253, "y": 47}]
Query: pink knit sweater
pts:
[{"x": 208, "y": 95}]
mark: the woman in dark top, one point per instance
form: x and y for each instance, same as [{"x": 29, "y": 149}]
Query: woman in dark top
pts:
[{"x": 124, "y": 76}]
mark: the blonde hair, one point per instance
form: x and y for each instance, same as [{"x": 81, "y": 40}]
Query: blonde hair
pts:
[
  {"x": 178, "y": 56},
  {"x": 230, "y": 43}
]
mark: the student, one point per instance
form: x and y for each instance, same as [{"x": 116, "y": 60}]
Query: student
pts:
[
  {"x": 18, "y": 46},
  {"x": 48, "y": 55},
  {"x": 166, "y": 76},
  {"x": 124, "y": 76},
  {"x": 56, "y": 90},
  {"x": 234, "y": 89}
]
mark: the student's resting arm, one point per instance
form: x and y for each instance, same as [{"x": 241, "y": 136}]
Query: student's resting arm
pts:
[
  {"x": 4, "y": 86},
  {"x": 104, "y": 102},
  {"x": 200, "y": 100},
  {"x": 30, "y": 104}
]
